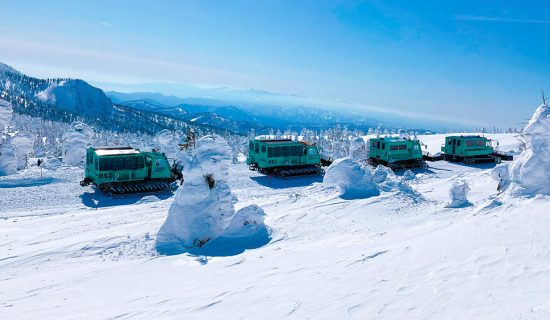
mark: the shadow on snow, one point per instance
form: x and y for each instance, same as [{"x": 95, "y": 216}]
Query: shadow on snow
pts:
[
  {"x": 290, "y": 182},
  {"x": 97, "y": 199},
  {"x": 222, "y": 246}
]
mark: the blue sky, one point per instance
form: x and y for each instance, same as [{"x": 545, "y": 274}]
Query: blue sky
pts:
[{"x": 478, "y": 62}]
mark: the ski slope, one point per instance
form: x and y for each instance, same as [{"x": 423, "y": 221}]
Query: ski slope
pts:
[{"x": 67, "y": 252}]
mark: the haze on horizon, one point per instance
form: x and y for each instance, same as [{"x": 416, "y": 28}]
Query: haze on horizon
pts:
[{"x": 475, "y": 62}]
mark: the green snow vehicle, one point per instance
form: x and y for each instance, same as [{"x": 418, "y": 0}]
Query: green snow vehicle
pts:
[
  {"x": 284, "y": 157},
  {"x": 123, "y": 170},
  {"x": 396, "y": 153},
  {"x": 469, "y": 149}
]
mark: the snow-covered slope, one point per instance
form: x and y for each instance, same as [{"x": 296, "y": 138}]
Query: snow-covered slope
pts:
[{"x": 68, "y": 252}]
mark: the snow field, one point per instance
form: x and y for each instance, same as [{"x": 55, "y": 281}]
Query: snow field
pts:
[{"x": 67, "y": 253}]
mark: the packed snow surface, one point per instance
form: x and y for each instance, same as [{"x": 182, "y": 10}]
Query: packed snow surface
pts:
[{"x": 68, "y": 252}]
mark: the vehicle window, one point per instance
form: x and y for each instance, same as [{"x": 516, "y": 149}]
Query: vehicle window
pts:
[
  {"x": 480, "y": 143},
  {"x": 131, "y": 163},
  {"x": 458, "y": 143},
  {"x": 257, "y": 148},
  {"x": 378, "y": 145},
  {"x": 312, "y": 151},
  {"x": 295, "y": 151},
  {"x": 117, "y": 164},
  {"x": 277, "y": 151},
  {"x": 105, "y": 164},
  {"x": 251, "y": 145},
  {"x": 383, "y": 146},
  {"x": 393, "y": 148},
  {"x": 140, "y": 163},
  {"x": 159, "y": 165},
  {"x": 286, "y": 151},
  {"x": 469, "y": 143},
  {"x": 97, "y": 165},
  {"x": 304, "y": 149},
  {"x": 270, "y": 152},
  {"x": 263, "y": 149},
  {"x": 402, "y": 147}
]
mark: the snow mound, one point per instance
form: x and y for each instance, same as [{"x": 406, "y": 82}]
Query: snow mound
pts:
[
  {"x": 203, "y": 210},
  {"x": 77, "y": 96},
  {"x": 6, "y": 111},
  {"x": 459, "y": 195},
  {"x": 352, "y": 180},
  {"x": 76, "y": 140},
  {"x": 530, "y": 172}
]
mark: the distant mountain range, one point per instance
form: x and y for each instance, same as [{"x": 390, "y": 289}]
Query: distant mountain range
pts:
[
  {"x": 261, "y": 109},
  {"x": 209, "y": 109}
]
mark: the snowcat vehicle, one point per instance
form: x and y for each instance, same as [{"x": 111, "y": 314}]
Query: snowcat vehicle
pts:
[
  {"x": 469, "y": 149},
  {"x": 396, "y": 153},
  {"x": 125, "y": 170},
  {"x": 284, "y": 157}
]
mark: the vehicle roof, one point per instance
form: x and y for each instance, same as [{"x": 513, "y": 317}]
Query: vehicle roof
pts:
[
  {"x": 114, "y": 151},
  {"x": 393, "y": 139},
  {"x": 467, "y": 137},
  {"x": 271, "y": 141}
]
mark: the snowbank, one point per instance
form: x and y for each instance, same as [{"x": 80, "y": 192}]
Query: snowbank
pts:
[
  {"x": 530, "y": 172},
  {"x": 459, "y": 195},
  {"x": 76, "y": 140},
  {"x": 202, "y": 210},
  {"x": 352, "y": 180},
  {"x": 52, "y": 164}
]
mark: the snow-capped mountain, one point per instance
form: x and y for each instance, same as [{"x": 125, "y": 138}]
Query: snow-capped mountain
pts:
[{"x": 72, "y": 95}]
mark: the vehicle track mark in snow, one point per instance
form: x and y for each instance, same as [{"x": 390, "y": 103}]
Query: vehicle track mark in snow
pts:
[
  {"x": 372, "y": 256},
  {"x": 296, "y": 306},
  {"x": 210, "y": 305},
  {"x": 236, "y": 263}
]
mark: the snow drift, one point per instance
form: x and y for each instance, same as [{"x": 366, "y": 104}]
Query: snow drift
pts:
[
  {"x": 529, "y": 174},
  {"x": 203, "y": 210},
  {"x": 352, "y": 180}
]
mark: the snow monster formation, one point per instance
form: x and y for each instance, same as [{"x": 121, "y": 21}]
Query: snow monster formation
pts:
[
  {"x": 76, "y": 141},
  {"x": 459, "y": 195},
  {"x": 202, "y": 219},
  {"x": 8, "y": 157},
  {"x": 529, "y": 174}
]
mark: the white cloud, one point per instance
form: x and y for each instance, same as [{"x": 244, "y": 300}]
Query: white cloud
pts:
[{"x": 500, "y": 20}]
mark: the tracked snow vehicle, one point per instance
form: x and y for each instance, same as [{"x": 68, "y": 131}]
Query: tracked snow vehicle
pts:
[
  {"x": 396, "y": 153},
  {"x": 284, "y": 157},
  {"x": 125, "y": 170},
  {"x": 469, "y": 149}
]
